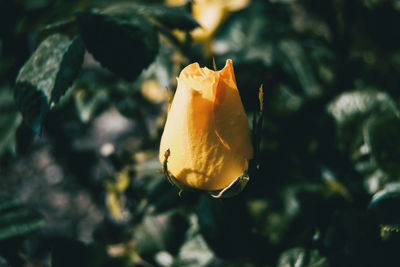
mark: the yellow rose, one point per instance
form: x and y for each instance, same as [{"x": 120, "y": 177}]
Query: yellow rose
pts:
[
  {"x": 209, "y": 14},
  {"x": 206, "y": 131}
]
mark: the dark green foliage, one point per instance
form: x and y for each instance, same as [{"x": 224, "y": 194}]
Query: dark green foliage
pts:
[
  {"x": 16, "y": 220},
  {"x": 24, "y": 139},
  {"x": 33, "y": 105},
  {"x": 221, "y": 222},
  {"x": 123, "y": 43},
  {"x": 293, "y": 58},
  {"x": 383, "y": 203},
  {"x": 164, "y": 231},
  {"x": 9, "y": 120},
  {"x": 67, "y": 27},
  {"x": 380, "y": 133},
  {"x": 302, "y": 257},
  {"x": 46, "y": 76},
  {"x": 178, "y": 17},
  {"x": 324, "y": 183}
]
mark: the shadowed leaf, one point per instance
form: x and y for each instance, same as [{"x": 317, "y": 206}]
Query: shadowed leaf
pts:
[
  {"x": 173, "y": 17},
  {"x": 302, "y": 257},
  {"x": 161, "y": 232},
  {"x": 16, "y": 220},
  {"x": 46, "y": 76},
  {"x": 66, "y": 27},
  {"x": 125, "y": 44},
  {"x": 9, "y": 120}
]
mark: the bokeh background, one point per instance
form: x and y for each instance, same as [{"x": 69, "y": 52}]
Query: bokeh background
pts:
[{"x": 80, "y": 124}]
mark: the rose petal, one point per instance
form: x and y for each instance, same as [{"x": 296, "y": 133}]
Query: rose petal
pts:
[{"x": 230, "y": 118}]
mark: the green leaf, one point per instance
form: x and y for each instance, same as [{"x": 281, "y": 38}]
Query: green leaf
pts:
[
  {"x": 224, "y": 220},
  {"x": 173, "y": 17},
  {"x": 381, "y": 136},
  {"x": 195, "y": 250},
  {"x": 65, "y": 27},
  {"x": 384, "y": 204},
  {"x": 24, "y": 138},
  {"x": 163, "y": 231},
  {"x": 9, "y": 120},
  {"x": 91, "y": 94},
  {"x": 294, "y": 59},
  {"x": 16, "y": 220},
  {"x": 46, "y": 76},
  {"x": 262, "y": 34},
  {"x": 88, "y": 102},
  {"x": 302, "y": 257},
  {"x": 353, "y": 109},
  {"x": 250, "y": 34},
  {"x": 125, "y": 44}
]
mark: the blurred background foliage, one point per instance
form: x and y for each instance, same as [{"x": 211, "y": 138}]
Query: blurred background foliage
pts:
[{"x": 83, "y": 103}]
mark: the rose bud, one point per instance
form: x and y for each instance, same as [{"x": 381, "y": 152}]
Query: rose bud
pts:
[{"x": 206, "y": 140}]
